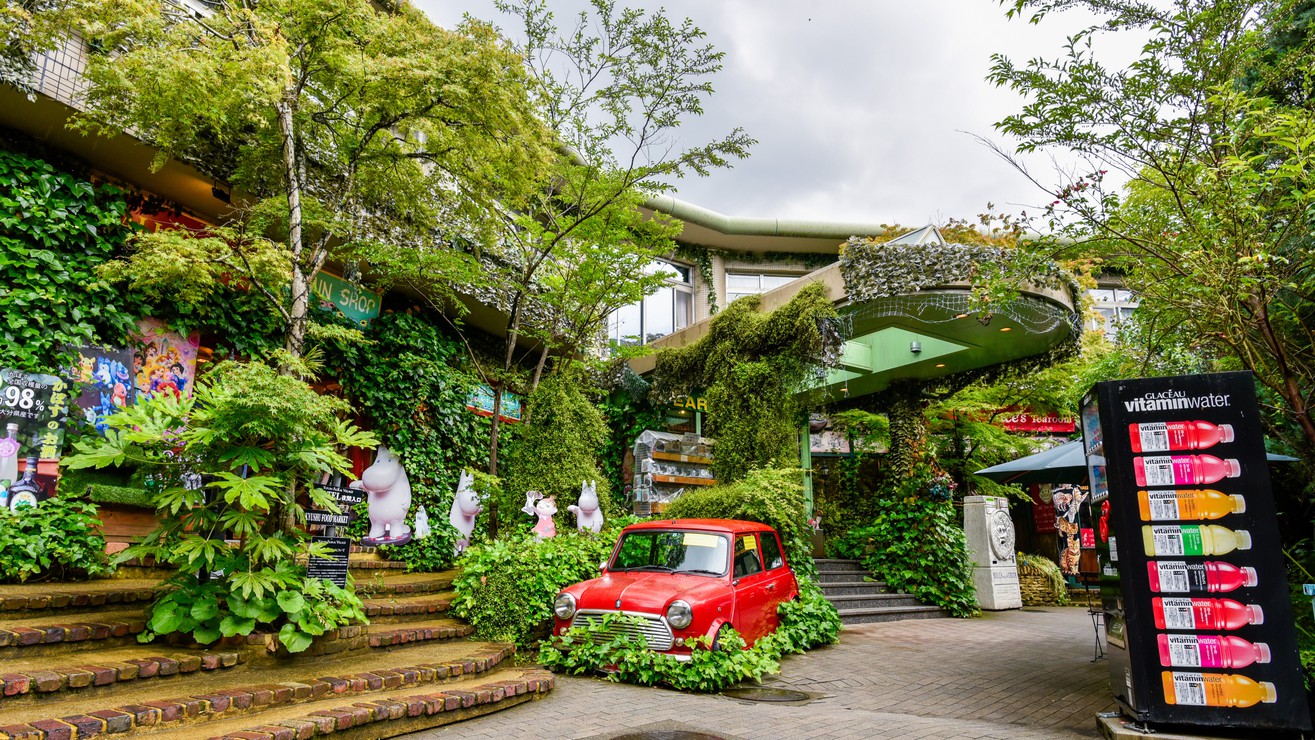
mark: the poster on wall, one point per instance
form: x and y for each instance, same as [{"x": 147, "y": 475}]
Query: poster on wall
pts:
[
  {"x": 105, "y": 376},
  {"x": 481, "y": 402},
  {"x": 33, "y": 410},
  {"x": 1193, "y": 581},
  {"x": 166, "y": 362},
  {"x": 1068, "y": 500}
]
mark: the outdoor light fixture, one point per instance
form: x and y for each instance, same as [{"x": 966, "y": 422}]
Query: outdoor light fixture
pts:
[
  {"x": 940, "y": 364},
  {"x": 962, "y": 316},
  {"x": 915, "y": 347},
  {"x": 1006, "y": 328},
  {"x": 222, "y": 191}
]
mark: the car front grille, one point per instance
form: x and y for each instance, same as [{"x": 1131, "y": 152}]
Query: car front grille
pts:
[{"x": 655, "y": 631}]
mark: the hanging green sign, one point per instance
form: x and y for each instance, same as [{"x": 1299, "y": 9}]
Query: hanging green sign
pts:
[{"x": 356, "y": 303}]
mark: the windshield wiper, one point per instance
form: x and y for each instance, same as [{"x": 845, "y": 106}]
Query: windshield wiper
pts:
[
  {"x": 700, "y": 570},
  {"x": 662, "y": 568}
]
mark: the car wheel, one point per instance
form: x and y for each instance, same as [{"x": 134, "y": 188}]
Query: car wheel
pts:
[{"x": 717, "y": 641}]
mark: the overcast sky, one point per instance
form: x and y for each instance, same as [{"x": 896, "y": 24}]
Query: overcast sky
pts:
[{"x": 864, "y": 110}]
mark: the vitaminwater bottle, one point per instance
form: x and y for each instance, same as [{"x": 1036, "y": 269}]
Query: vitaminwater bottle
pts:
[
  {"x": 1216, "y": 690},
  {"x": 1192, "y": 540},
  {"x": 1180, "y": 577},
  {"x": 1204, "y": 614},
  {"x": 1178, "y": 435},
  {"x": 1184, "y": 470},
  {"x": 1188, "y": 505},
  {"x": 1210, "y": 651}
]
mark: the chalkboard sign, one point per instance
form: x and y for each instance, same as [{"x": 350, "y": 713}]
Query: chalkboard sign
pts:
[
  {"x": 334, "y": 567},
  {"x": 315, "y": 516}
]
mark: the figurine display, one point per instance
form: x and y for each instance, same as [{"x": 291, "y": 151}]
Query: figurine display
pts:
[
  {"x": 544, "y": 508},
  {"x": 588, "y": 513},
  {"x": 465, "y": 507},
  {"x": 422, "y": 529},
  {"x": 389, "y": 499}
]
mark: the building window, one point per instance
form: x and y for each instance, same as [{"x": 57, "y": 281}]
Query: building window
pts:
[
  {"x": 1115, "y": 306},
  {"x": 665, "y": 312},
  {"x": 740, "y": 284}
]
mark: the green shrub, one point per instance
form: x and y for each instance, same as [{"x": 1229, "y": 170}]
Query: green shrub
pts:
[
  {"x": 774, "y": 497},
  {"x": 805, "y": 623},
  {"x": 1048, "y": 568},
  {"x": 507, "y": 587},
  {"x": 59, "y": 539}
]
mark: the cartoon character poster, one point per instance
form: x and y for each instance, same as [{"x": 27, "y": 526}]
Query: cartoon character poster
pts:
[
  {"x": 166, "y": 362},
  {"x": 1069, "y": 520},
  {"x": 107, "y": 384}
]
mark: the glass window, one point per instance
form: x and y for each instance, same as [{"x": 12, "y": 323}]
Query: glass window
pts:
[
  {"x": 771, "y": 550},
  {"x": 702, "y": 553},
  {"x": 746, "y": 556},
  {"x": 740, "y": 284},
  {"x": 668, "y": 310},
  {"x": 659, "y": 314}
]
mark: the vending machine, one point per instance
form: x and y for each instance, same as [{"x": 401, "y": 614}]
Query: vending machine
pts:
[{"x": 1193, "y": 585}]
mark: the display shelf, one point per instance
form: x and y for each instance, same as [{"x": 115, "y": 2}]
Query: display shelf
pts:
[
  {"x": 684, "y": 481},
  {"x": 697, "y": 459}
]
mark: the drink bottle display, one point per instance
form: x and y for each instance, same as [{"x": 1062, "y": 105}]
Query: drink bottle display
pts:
[
  {"x": 1216, "y": 690},
  {"x": 8, "y": 461},
  {"x": 1184, "y": 470},
  {"x": 1204, "y": 614},
  {"x": 1189, "y": 504},
  {"x": 1192, "y": 540},
  {"x": 1178, "y": 435},
  {"x": 1210, "y": 651},
  {"x": 1180, "y": 577},
  {"x": 26, "y": 491}
]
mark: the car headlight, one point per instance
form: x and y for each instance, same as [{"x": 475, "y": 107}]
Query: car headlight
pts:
[
  {"x": 564, "y": 606},
  {"x": 679, "y": 615}
]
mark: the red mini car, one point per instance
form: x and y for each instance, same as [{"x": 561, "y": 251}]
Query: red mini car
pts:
[{"x": 686, "y": 578}]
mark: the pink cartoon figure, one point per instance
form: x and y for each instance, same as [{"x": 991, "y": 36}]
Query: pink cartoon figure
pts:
[
  {"x": 544, "y": 508},
  {"x": 465, "y": 507},
  {"x": 588, "y": 513},
  {"x": 389, "y": 499}
]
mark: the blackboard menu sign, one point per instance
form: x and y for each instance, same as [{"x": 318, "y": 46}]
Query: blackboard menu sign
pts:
[
  {"x": 1193, "y": 584},
  {"x": 334, "y": 567}
]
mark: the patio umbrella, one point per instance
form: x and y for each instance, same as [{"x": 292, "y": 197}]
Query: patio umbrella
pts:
[{"x": 1061, "y": 464}]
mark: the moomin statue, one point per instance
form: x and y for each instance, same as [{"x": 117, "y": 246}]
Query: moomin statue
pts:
[
  {"x": 588, "y": 514},
  {"x": 544, "y": 508},
  {"x": 465, "y": 507},
  {"x": 389, "y": 499}
]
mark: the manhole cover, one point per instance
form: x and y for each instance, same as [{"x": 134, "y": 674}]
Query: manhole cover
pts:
[
  {"x": 762, "y": 694},
  {"x": 667, "y": 735}
]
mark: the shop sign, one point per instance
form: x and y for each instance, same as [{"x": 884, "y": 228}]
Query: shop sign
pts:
[
  {"x": 37, "y": 405},
  {"x": 690, "y": 403},
  {"x": 1026, "y": 421},
  {"x": 481, "y": 402},
  {"x": 356, "y": 303}
]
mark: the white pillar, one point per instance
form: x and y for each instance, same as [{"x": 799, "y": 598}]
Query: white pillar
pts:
[{"x": 990, "y": 534}]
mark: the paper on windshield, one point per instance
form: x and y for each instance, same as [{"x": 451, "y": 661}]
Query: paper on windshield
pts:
[{"x": 699, "y": 539}]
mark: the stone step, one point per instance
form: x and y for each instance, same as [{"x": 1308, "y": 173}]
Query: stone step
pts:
[
  {"x": 851, "y": 566},
  {"x": 149, "y": 706},
  {"x": 386, "y": 714},
  {"x": 36, "y": 680},
  {"x": 69, "y": 631},
  {"x": 403, "y": 583},
  {"x": 850, "y": 588},
  {"x": 865, "y": 601},
  {"x": 35, "y": 599},
  {"x": 843, "y": 576},
  {"x": 392, "y": 608},
  {"x": 890, "y": 614}
]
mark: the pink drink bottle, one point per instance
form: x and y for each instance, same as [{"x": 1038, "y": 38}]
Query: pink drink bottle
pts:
[
  {"x": 1210, "y": 651},
  {"x": 1183, "y": 470},
  {"x": 1178, "y": 435}
]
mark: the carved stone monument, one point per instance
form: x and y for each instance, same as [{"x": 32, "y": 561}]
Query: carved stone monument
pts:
[{"x": 990, "y": 534}]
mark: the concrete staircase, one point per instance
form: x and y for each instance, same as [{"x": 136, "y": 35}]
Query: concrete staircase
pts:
[
  {"x": 859, "y": 599},
  {"x": 71, "y": 667}
]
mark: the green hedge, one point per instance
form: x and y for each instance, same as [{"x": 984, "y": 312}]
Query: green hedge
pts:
[{"x": 57, "y": 539}]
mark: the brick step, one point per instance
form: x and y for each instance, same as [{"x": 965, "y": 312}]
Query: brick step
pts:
[
  {"x": 37, "y": 680},
  {"x": 403, "y": 583},
  {"x": 851, "y": 566},
  {"x": 865, "y": 601},
  {"x": 264, "y": 647},
  {"x": 35, "y": 599},
  {"x": 890, "y": 614},
  {"x": 849, "y": 588},
  {"x": 392, "y": 609},
  {"x": 69, "y": 631},
  {"x": 149, "y": 706},
  {"x": 387, "y": 714}
]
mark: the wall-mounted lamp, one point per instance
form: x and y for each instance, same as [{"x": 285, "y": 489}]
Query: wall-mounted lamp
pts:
[
  {"x": 915, "y": 347},
  {"x": 222, "y": 191}
]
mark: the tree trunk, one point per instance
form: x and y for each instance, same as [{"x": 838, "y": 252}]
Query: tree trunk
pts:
[
  {"x": 908, "y": 429},
  {"x": 295, "y": 338},
  {"x": 538, "y": 369},
  {"x": 493, "y": 455}
]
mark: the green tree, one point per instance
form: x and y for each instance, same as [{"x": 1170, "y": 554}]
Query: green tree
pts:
[
  {"x": 613, "y": 89},
  {"x": 1213, "y": 228},
  {"x": 359, "y": 130}
]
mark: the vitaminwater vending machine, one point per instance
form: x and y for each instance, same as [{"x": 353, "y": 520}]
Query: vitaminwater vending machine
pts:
[{"x": 1197, "y": 617}]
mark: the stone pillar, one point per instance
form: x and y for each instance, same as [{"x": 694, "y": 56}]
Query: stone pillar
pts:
[{"x": 990, "y": 534}]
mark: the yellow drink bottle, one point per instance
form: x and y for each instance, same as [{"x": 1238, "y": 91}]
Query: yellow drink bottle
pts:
[
  {"x": 1188, "y": 505},
  {"x": 1216, "y": 690},
  {"x": 1192, "y": 540}
]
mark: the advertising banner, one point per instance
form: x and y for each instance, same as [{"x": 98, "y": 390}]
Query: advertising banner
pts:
[
  {"x": 33, "y": 409},
  {"x": 105, "y": 376},
  {"x": 1193, "y": 582},
  {"x": 166, "y": 362},
  {"x": 481, "y": 402}
]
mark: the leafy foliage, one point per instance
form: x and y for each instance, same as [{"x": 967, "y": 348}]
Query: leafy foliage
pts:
[
  {"x": 751, "y": 366},
  {"x": 507, "y": 586},
  {"x": 627, "y": 417},
  {"x": 806, "y": 623},
  {"x": 255, "y": 438},
  {"x": 59, "y": 539},
  {"x": 1054, "y": 576},
  {"x": 55, "y": 230},
  {"x": 916, "y": 546}
]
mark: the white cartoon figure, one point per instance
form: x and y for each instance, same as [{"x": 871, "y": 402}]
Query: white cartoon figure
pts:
[
  {"x": 422, "y": 529},
  {"x": 389, "y": 497},
  {"x": 588, "y": 514},
  {"x": 465, "y": 507},
  {"x": 544, "y": 508}
]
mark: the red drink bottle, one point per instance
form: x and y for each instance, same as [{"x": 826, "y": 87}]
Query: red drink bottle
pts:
[
  {"x": 1183, "y": 470},
  {"x": 1204, "y": 614},
  {"x": 1210, "y": 651},
  {"x": 1164, "y": 436},
  {"x": 1180, "y": 577}
]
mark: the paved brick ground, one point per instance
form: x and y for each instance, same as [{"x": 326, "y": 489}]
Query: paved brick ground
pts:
[{"x": 1024, "y": 675}]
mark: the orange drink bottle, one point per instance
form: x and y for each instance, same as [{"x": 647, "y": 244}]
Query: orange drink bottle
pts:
[
  {"x": 1192, "y": 504},
  {"x": 1216, "y": 690}
]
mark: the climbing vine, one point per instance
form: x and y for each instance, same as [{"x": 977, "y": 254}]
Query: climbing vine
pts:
[{"x": 752, "y": 366}]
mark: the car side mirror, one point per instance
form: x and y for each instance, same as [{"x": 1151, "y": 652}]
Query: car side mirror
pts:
[{"x": 602, "y": 567}]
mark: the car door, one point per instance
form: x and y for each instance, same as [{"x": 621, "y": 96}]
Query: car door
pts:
[
  {"x": 779, "y": 582},
  {"x": 750, "y": 583}
]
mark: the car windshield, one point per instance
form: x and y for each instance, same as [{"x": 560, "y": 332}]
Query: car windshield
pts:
[{"x": 666, "y": 551}]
